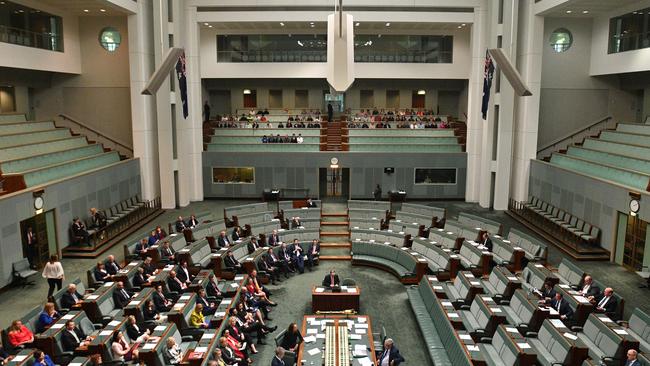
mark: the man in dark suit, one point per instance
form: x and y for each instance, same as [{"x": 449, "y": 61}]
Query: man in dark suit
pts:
[
  {"x": 632, "y": 358},
  {"x": 183, "y": 273},
  {"x": 180, "y": 225},
  {"x": 148, "y": 267},
  {"x": 111, "y": 266},
  {"x": 606, "y": 303},
  {"x": 139, "y": 279},
  {"x": 231, "y": 262},
  {"x": 273, "y": 261},
  {"x": 548, "y": 293},
  {"x": 391, "y": 353},
  {"x": 31, "y": 243},
  {"x": 286, "y": 256},
  {"x": 72, "y": 337},
  {"x": 377, "y": 193},
  {"x": 121, "y": 297},
  {"x": 192, "y": 222},
  {"x": 589, "y": 290},
  {"x": 161, "y": 303},
  {"x": 252, "y": 245},
  {"x": 209, "y": 307},
  {"x": 227, "y": 353},
  {"x": 98, "y": 218},
  {"x": 277, "y": 359},
  {"x": 142, "y": 247},
  {"x": 295, "y": 222},
  {"x": 212, "y": 287},
  {"x": 166, "y": 252},
  {"x": 331, "y": 280},
  {"x": 223, "y": 240},
  {"x": 312, "y": 253},
  {"x": 274, "y": 239},
  {"x": 562, "y": 306},
  {"x": 273, "y": 272},
  {"x": 174, "y": 283},
  {"x": 71, "y": 297},
  {"x": 311, "y": 204},
  {"x": 79, "y": 230}
]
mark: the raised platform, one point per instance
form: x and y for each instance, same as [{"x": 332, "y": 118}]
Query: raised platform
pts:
[
  {"x": 581, "y": 253},
  {"x": 95, "y": 251}
]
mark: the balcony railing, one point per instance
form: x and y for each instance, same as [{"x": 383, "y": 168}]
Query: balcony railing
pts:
[
  {"x": 22, "y": 37},
  {"x": 272, "y": 56},
  {"x": 427, "y": 57}
]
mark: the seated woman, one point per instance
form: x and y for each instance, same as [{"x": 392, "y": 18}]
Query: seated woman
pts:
[
  {"x": 236, "y": 346},
  {"x": 260, "y": 295},
  {"x": 150, "y": 313},
  {"x": 19, "y": 336},
  {"x": 172, "y": 353},
  {"x": 47, "y": 317},
  {"x": 134, "y": 332},
  {"x": 100, "y": 273},
  {"x": 41, "y": 359},
  {"x": 121, "y": 349},
  {"x": 292, "y": 338},
  {"x": 197, "y": 319}
]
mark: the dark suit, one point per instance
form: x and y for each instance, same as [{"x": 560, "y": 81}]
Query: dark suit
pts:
[
  {"x": 592, "y": 291},
  {"x": 140, "y": 247},
  {"x": 633, "y": 363},
  {"x": 159, "y": 302},
  {"x": 193, "y": 223},
  {"x": 273, "y": 240},
  {"x": 610, "y": 305},
  {"x": 277, "y": 362},
  {"x": 121, "y": 298},
  {"x": 252, "y": 247},
  {"x": 139, "y": 280},
  {"x": 228, "y": 355},
  {"x": 310, "y": 254},
  {"x": 264, "y": 266},
  {"x": 133, "y": 332},
  {"x": 111, "y": 267},
  {"x": 235, "y": 236},
  {"x": 166, "y": 253},
  {"x": 100, "y": 276},
  {"x": 327, "y": 281},
  {"x": 149, "y": 269},
  {"x": 548, "y": 294},
  {"x": 212, "y": 290},
  {"x": 231, "y": 262},
  {"x": 68, "y": 301},
  {"x": 207, "y": 309},
  {"x": 174, "y": 285},
  {"x": 68, "y": 342},
  {"x": 564, "y": 309},
  {"x": 181, "y": 275},
  {"x": 393, "y": 356},
  {"x": 295, "y": 224},
  {"x": 180, "y": 226},
  {"x": 223, "y": 241}
]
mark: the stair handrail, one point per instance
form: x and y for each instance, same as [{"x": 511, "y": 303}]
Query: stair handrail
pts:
[
  {"x": 98, "y": 133},
  {"x": 578, "y": 134}
]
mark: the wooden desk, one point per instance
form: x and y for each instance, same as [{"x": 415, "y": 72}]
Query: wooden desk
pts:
[
  {"x": 323, "y": 299},
  {"x": 313, "y": 323}
]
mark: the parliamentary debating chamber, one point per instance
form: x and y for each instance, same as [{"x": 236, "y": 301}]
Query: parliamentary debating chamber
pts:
[{"x": 325, "y": 183}]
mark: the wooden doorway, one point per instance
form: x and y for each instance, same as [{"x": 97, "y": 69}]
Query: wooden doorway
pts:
[
  {"x": 334, "y": 182},
  {"x": 44, "y": 230},
  {"x": 634, "y": 245}
]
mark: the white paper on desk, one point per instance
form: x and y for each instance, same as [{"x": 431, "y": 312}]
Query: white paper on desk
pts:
[
  {"x": 201, "y": 349},
  {"x": 512, "y": 278},
  {"x": 234, "y": 285},
  {"x": 511, "y": 330},
  {"x": 208, "y": 335},
  {"x": 184, "y": 297},
  {"x": 539, "y": 266},
  {"x": 68, "y": 316},
  {"x": 621, "y": 331},
  {"x": 319, "y": 290},
  {"x": 322, "y": 336},
  {"x": 523, "y": 345},
  {"x": 437, "y": 288},
  {"x": 149, "y": 345},
  {"x": 352, "y": 290},
  {"x": 452, "y": 315},
  {"x": 313, "y": 351},
  {"x": 581, "y": 299},
  {"x": 57, "y": 326},
  {"x": 363, "y": 326},
  {"x": 447, "y": 303},
  {"x": 495, "y": 310},
  {"x": 605, "y": 319},
  {"x": 570, "y": 336},
  {"x": 360, "y": 331},
  {"x": 178, "y": 305},
  {"x": 362, "y": 319},
  {"x": 344, "y": 288},
  {"x": 472, "y": 348},
  {"x": 469, "y": 275},
  {"x": 135, "y": 302},
  {"x": 475, "y": 283},
  {"x": 312, "y": 331},
  {"x": 19, "y": 358},
  {"x": 74, "y": 364},
  {"x": 562, "y": 285},
  {"x": 314, "y": 322},
  {"x": 360, "y": 347},
  {"x": 557, "y": 323},
  {"x": 159, "y": 328},
  {"x": 239, "y": 278},
  {"x": 226, "y": 301},
  {"x": 466, "y": 337},
  {"x": 309, "y": 339},
  {"x": 365, "y": 361},
  {"x": 220, "y": 314},
  {"x": 487, "y": 298},
  {"x": 107, "y": 284},
  {"x": 92, "y": 297}
]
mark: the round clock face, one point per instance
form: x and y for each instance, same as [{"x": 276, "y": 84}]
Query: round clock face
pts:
[
  {"x": 634, "y": 206},
  {"x": 38, "y": 203},
  {"x": 334, "y": 161}
]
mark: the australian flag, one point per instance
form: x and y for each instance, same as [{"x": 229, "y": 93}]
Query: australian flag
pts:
[
  {"x": 487, "y": 84},
  {"x": 182, "y": 82}
]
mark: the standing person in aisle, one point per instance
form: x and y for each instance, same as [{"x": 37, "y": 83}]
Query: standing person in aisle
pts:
[{"x": 53, "y": 272}]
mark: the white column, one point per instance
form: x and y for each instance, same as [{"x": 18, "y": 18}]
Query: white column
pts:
[
  {"x": 143, "y": 118},
  {"x": 531, "y": 31},
  {"x": 340, "y": 51},
  {"x": 475, "y": 95}
]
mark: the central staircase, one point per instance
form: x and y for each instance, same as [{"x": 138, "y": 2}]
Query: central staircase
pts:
[
  {"x": 334, "y": 232},
  {"x": 334, "y": 137}
]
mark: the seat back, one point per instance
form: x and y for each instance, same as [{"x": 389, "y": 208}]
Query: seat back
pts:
[
  {"x": 640, "y": 324},
  {"x": 570, "y": 272}
]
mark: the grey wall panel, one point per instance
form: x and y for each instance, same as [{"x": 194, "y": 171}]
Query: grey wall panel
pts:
[
  {"x": 291, "y": 170},
  {"x": 68, "y": 198},
  {"x": 600, "y": 205}
]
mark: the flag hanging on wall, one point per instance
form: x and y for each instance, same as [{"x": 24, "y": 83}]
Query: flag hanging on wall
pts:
[
  {"x": 182, "y": 82},
  {"x": 487, "y": 83}
]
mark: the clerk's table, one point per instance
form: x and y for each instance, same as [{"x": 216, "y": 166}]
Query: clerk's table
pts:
[{"x": 324, "y": 299}]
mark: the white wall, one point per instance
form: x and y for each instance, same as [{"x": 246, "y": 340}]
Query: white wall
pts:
[
  {"x": 23, "y": 57},
  {"x": 603, "y": 63}
]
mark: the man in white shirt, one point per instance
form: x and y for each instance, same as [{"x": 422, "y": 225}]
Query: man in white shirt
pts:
[{"x": 589, "y": 290}]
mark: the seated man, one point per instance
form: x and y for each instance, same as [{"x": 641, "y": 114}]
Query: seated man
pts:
[
  {"x": 607, "y": 302},
  {"x": 312, "y": 253},
  {"x": 148, "y": 267},
  {"x": 295, "y": 222},
  {"x": 212, "y": 287},
  {"x": 142, "y": 247},
  {"x": 562, "y": 306},
  {"x": 192, "y": 222},
  {"x": 589, "y": 290},
  {"x": 232, "y": 263},
  {"x": 79, "y": 231},
  {"x": 287, "y": 257},
  {"x": 73, "y": 337},
  {"x": 223, "y": 240},
  {"x": 167, "y": 252},
  {"x": 140, "y": 279},
  {"x": 274, "y": 262},
  {"x": 209, "y": 307},
  {"x": 274, "y": 239},
  {"x": 310, "y": 203},
  {"x": 71, "y": 297},
  {"x": 273, "y": 272},
  {"x": 252, "y": 245},
  {"x": 180, "y": 225},
  {"x": 174, "y": 283},
  {"x": 100, "y": 273},
  {"x": 183, "y": 273},
  {"x": 298, "y": 256},
  {"x": 98, "y": 218},
  {"x": 331, "y": 280},
  {"x": 160, "y": 301},
  {"x": 121, "y": 297},
  {"x": 111, "y": 266}
]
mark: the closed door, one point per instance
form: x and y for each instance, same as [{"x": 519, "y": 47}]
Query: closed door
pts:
[{"x": 635, "y": 235}]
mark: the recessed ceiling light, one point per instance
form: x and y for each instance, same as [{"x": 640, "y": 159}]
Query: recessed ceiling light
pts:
[
  {"x": 379, "y": 36},
  {"x": 205, "y": 24},
  {"x": 102, "y": 10},
  {"x": 357, "y": 24},
  {"x": 388, "y": 24},
  {"x": 311, "y": 23},
  {"x": 569, "y": 11},
  {"x": 86, "y": 10},
  {"x": 281, "y": 24},
  {"x": 210, "y": 26},
  {"x": 459, "y": 27},
  {"x": 585, "y": 12},
  {"x": 463, "y": 24},
  {"x": 2, "y": 2}
]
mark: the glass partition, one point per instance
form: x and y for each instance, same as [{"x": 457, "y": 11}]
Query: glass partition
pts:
[
  {"x": 629, "y": 31},
  {"x": 237, "y": 175},
  {"x": 403, "y": 48},
  {"x": 435, "y": 175},
  {"x": 272, "y": 48},
  {"x": 30, "y": 27}
]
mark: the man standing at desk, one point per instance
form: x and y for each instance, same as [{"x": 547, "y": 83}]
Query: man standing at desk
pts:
[{"x": 331, "y": 280}]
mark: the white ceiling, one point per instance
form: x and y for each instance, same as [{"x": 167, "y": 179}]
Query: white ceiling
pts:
[
  {"x": 94, "y": 7},
  {"x": 594, "y": 7}
]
